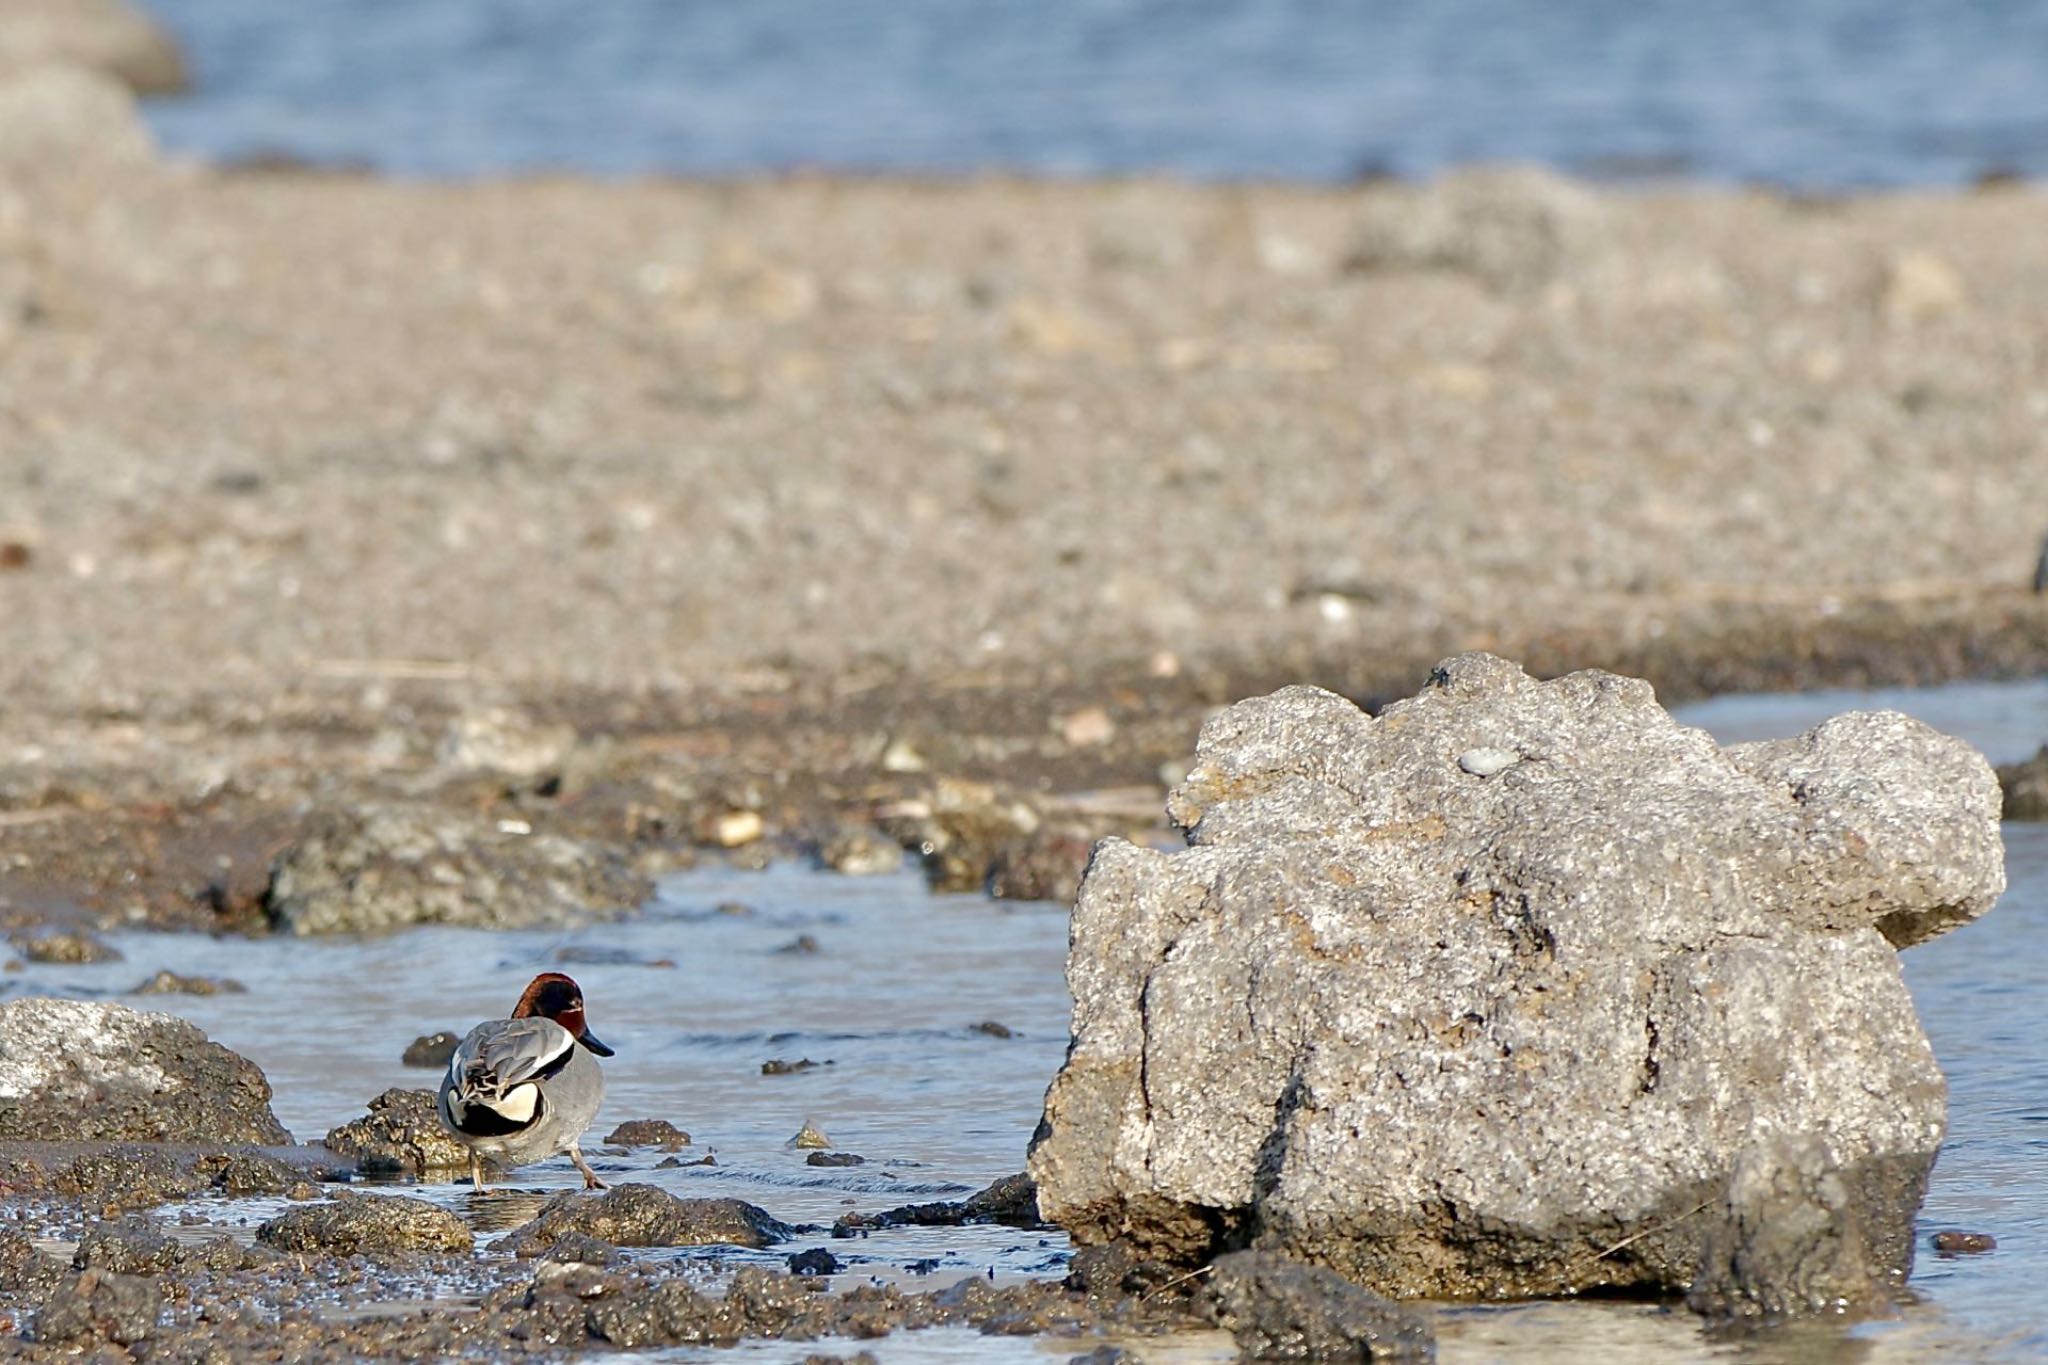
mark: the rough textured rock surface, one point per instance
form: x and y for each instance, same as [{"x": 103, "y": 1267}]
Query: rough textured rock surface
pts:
[
  {"x": 401, "y": 1135},
  {"x": 76, "y": 1071},
  {"x": 367, "y": 871},
  {"x": 1793, "y": 1234},
  {"x": 110, "y": 36},
  {"x": 367, "y": 1223},
  {"x": 643, "y": 1216},
  {"x": 100, "y": 1306},
  {"x": 1280, "y": 1309},
  {"x": 1456, "y": 1034}
]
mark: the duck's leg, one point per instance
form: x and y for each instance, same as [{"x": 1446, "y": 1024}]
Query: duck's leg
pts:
[
  {"x": 590, "y": 1180},
  {"x": 476, "y": 1172}
]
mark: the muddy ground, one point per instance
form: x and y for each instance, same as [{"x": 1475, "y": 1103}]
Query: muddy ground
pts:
[{"x": 631, "y": 510}]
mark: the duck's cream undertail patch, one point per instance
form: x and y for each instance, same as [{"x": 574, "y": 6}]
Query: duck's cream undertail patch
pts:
[{"x": 518, "y": 1103}]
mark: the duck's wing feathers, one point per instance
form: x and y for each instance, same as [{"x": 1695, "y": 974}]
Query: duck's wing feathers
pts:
[{"x": 512, "y": 1052}]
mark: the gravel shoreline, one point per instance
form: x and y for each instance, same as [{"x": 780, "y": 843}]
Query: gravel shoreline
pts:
[{"x": 751, "y": 488}]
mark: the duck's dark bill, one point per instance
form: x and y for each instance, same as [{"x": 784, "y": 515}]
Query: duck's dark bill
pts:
[{"x": 594, "y": 1043}]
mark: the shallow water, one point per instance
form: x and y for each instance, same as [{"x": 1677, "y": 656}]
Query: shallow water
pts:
[
  {"x": 890, "y": 998},
  {"x": 1819, "y": 94}
]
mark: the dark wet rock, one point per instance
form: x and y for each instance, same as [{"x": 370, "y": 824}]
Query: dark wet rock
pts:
[
  {"x": 961, "y": 830},
  {"x": 377, "y": 868},
  {"x": 401, "y": 1135},
  {"x": 993, "y": 1029},
  {"x": 857, "y": 1358},
  {"x": 76, "y": 1071},
  {"x": 635, "y": 1215},
  {"x": 782, "y": 1066},
  {"x": 1112, "y": 1271},
  {"x": 649, "y": 1133},
  {"x": 367, "y": 1224},
  {"x": 1012, "y": 1200},
  {"x": 128, "y": 1178},
  {"x": 670, "y": 1313},
  {"x": 816, "y": 1261},
  {"x": 592, "y": 955},
  {"x": 111, "y": 37},
  {"x": 1556, "y": 994},
  {"x": 97, "y": 1305},
  {"x": 68, "y": 946},
  {"x": 578, "y": 1249},
  {"x": 1955, "y": 1243},
  {"x": 673, "y": 1162},
  {"x": 1513, "y": 229},
  {"x": 247, "y": 1173},
  {"x": 803, "y": 945},
  {"x": 2025, "y": 785},
  {"x": 1796, "y": 1233},
  {"x": 23, "y": 1268},
  {"x": 834, "y": 1159},
  {"x": 430, "y": 1051},
  {"x": 170, "y": 983},
  {"x": 126, "y": 1247},
  {"x": 1102, "y": 1355},
  {"x": 1280, "y": 1309},
  {"x": 1043, "y": 865}
]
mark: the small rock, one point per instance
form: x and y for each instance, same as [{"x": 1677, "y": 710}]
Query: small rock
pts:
[
  {"x": 1488, "y": 762},
  {"x": 66, "y": 946},
  {"x": 24, "y": 1269},
  {"x": 734, "y": 828},
  {"x": 861, "y": 853},
  {"x": 401, "y": 1135},
  {"x": 1281, "y": 1309},
  {"x": 1514, "y": 229},
  {"x": 170, "y": 983},
  {"x": 431, "y": 1051},
  {"x": 635, "y": 1215},
  {"x": 901, "y": 756},
  {"x": 1087, "y": 728},
  {"x": 1919, "y": 287},
  {"x": 810, "y": 1136},
  {"x": 1964, "y": 1243},
  {"x": 97, "y": 1305},
  {"x": 672, "y": 1162},
  {"x": 834, "y": 1159},
  {"x": 649, "y": 1133},
  {"x": 816, "y": 1261},
  {"x": 14, "y": 554},
  {"x": 367, "y": 1224},
  {"x": 993, "y": 1029},
  {"x": 128, "y": 1178},
  {"x": 246, "y": 1173},
  {"x": 777, "y": 1066},
  {"x": 803, "y": 945},
  {"x": 502, "y": 740},
  {"x": 2025, "y": 787}
]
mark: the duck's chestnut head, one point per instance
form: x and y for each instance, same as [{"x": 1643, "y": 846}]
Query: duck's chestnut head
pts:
[{"x": 552, "y": 995}]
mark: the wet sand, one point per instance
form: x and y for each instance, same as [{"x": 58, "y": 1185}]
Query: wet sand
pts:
[{"x": 747, "y": 484}]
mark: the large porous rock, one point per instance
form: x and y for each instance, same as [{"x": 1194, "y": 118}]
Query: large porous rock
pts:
[
  {"x": 1490, "y": 995},
  {"x": 383, "y": 867},
  {"x": 108, "y": 36},
  {"x": 73, "y": 1071},
  {"x": 401, "y": 1135},
  {"x": 97, "y": 1305}
]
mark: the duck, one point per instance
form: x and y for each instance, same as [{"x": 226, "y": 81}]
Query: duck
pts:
[{"x": 523, "y": 1089}]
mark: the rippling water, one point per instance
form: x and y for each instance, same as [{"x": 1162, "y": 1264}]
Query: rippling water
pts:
[
  {"x": 888, "y": 1004},
  {"x": 1825, "y": 93}
]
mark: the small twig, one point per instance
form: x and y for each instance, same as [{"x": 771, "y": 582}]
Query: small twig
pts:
[
  {"x": 1660, "y": 1227},
  {"x": 1176, "y": 1281}
]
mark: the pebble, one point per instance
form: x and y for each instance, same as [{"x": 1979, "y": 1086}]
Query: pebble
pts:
[
  {"x": 170, "y": 983},
  {"x": 810, "y": 1136},
  {"x": 1964, "y": 1243},
  {"x": 736, "y": 828},
  {"x": 1488, "y": 762},
  {"x": 1086, "y": 728}
]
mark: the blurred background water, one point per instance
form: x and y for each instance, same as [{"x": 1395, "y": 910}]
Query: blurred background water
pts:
[{"x": 1822, "y": 94}]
